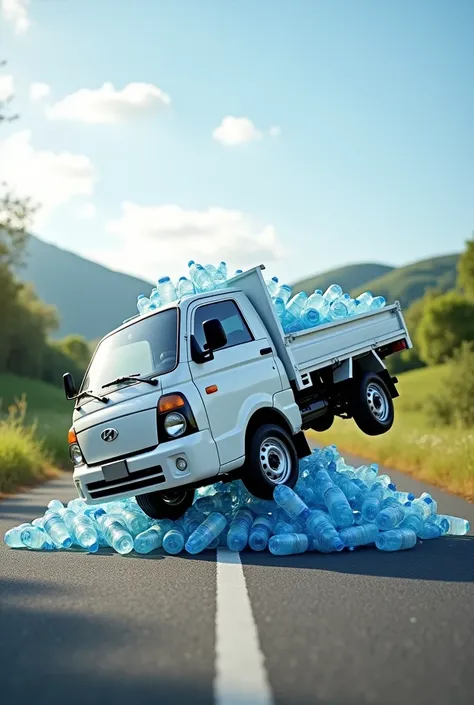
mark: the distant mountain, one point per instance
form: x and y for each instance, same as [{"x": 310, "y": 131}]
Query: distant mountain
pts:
[
  {"x": 349, "y": 277},
  {"x": 91, "y": 299},
  {"x": 406, "y": 284}
]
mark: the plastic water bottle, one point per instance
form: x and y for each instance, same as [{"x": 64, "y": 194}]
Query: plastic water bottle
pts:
[
  {"x": 259, "y": 506},
  {"x": 283, "y": 292},
  {"x": 260, "y": 532},
  {"x": 285, "y": 527},
  {"x": 456, "y": 525},
  {"x": 134, "y": 520},
  {"x": 430, "y": 530},
  {"x": 396, "y": 540},
  {"x": 360, "y": 535},
  {"x": 289, "y": 501},
  {"x": 173, "y": 541},
  {"x": 205, "y": 504},
  {"x": 403, "y": 497},
  {"x": 390, "y": 515},
  {"x": 152, "y": 538},
  {"x": 143, "y": 304},
  {"x": 337, "y": 311},
  {"x": 200, "y": 278},
  {"x": 220, "y": 276},
  {"x": 115, "y": 534},
  {"x": 206, "y": 533},
  {"x": 12, "y": 537},
  {"x": 81, "y": 529},
  {"x": 414, "y": 518},
  {"x": 318, "y": 302},
  {"x": 333, "y": 292},
  {"x": 311, "y": 317},
  {"x": 211, "y": 270},
  {"x": 36, "y": 538},
  {"x": 57, "y": 529},
  {"x": 368, "y": 473},
  {"x": 166, "y": 290},
  {"x": 55, "y": 505},
  {"x": 376, "y": 303},
  {"x": 272, "y": 285},
  {"x": 288, "y": 544},
  {"x": 372, "y": 504},
  {"x": 185, "y": 287},
  {"x": 334, "y": 498},
  {"x": 295, "y": 307},
  {"x": 425, "y": 505},
  {"x": 364, "y": 298},
  {"x": 433, "y": 504},
  {"x": 354, "y": 495},
  {"x": 238, "y": 535},
  {"x": 321, "y": 529},
  {"x": 279, "y": 305},
  {"x": 77, "y": 505}
]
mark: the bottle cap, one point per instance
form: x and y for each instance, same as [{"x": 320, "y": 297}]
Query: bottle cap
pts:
[
  {"x": 182, "y": 279},
  {"x": 191, "y": 262},
  {"x": 275, "y": 279},
  {"x": 163, "y": 280}
]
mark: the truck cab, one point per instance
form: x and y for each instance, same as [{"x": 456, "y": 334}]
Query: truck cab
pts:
[{"x": 205, "y": 389}]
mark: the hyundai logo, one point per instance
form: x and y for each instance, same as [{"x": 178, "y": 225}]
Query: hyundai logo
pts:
[{"x": 110, "y": 434}]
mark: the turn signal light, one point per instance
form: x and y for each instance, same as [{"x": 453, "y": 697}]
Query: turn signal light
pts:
[
  {"x": 71, "y": 436},
  {"x": 170, "y": 402},
  {"x": 399, "y": 345}
]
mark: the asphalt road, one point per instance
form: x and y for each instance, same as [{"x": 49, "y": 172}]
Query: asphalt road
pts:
[{"x": 352, "y": 628}]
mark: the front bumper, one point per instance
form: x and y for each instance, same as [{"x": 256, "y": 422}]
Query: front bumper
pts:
[{"x": 151, "y": 471}]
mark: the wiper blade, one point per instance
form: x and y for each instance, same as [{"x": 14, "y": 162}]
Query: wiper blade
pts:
[
  {"x": 131, "y": 378},
  {"x": 87, "y": 393}
]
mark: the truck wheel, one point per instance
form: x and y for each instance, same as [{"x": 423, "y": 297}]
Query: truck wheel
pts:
[
  {"x": 323, "y": 423},
  {"x": 166, "y": 505},
  {"x": 372, "y": 404},
  {"x": 271, "y": 460}
]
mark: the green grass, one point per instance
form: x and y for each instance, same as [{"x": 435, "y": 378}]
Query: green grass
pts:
[
  {"x": 47, "y": 408},
  {"x": 441, "y": 456}
]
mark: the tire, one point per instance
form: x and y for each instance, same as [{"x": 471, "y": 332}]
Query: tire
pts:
[
  {"x": 372, "y": 404},
  {"x": 323, "y": 423},
  {"x": 166, "y": 505},
  {"x": 269, "y": 444}
]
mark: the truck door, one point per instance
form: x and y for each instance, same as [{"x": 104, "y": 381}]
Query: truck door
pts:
[{"x": 243, "y": 371}]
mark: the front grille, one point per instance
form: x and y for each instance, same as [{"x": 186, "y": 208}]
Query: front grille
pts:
[{"x": 135, "y": 481}]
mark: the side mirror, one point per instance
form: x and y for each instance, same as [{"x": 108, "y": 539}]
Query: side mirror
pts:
[
  {"x": 214, "y": 334},
  {"x": 69, "y": 386}
]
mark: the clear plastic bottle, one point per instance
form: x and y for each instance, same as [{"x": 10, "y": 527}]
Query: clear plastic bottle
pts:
[
  {"x": 311, "y": 317},
  {"x": 456, "y": 525},
  {"x": 333, "y": 292},
  {"x": 12, "y": 537},
  {"x": 430, "y": 530},
  {"x": 152, "y": 538},
  {"x": 77, "y": 505},
  {"x": 200, "y": 278},
  {"x": 211, "y": 270},
  {"x": 57, "y": 529},
  {"x": 360, "y": 535},
  {"x": 283, "y": 292},
  {"x": 206, "y": 533},
  {"x": 354, "y": 495},
  {"x": 220, "y": 276},
  {"x": 185, "y": 287},
  {"x": 260, "y": 532},
  {"x": 372, "y": 504},
  {"x": 115, "y": 534},
  {"x": 173, "y": 541},
  {"x": 390, "y": 515},
  {"x": 414, "y": 518},
  {"x": 55, "y": 505},
  {"x": 334, "y": 498},
  {"x": 36, "y": 538},
  {"x": 82, "y": 530},
  {"x": 143, "y": 304},
  {"x": 134, "y": 520},
  {"x": 272, "y": 285},
  {"x": 285, "y": 527},
  {"x": 279, "y": 305},
  {"x": 288, "y": 544},
  {"x": 166, "y": 290},
  {"x": 376, "y": 303},
  {"x": 260, "y": 506},
  {"x": 320, "y": 527},
  {"x": 337, "y": 311},
  {"x": 238, "y": 535},
  {"x": 289, "y": 501},
  {"x": 365, "y": 298},
  {"x": 295, "y": 306},
  {"x": 205, "y": 504},
  {"x": 395, "y": 540},
  {"x": 403, "y": 497}
]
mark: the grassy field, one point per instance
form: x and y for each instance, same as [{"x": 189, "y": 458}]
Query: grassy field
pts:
[
  {"x": 33, "y": 439},
  {"x": 442, "y": 456}
]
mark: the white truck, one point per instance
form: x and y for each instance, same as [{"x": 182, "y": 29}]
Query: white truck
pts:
[{"x": 210, "y": 388}]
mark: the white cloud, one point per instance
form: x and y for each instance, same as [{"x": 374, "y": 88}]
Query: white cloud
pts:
[
  {"x": 86, "y": 211},
  {"x": 156, "y": 240},
  {"x": 16, "y": 11},
  {"x": 236, "y": 130},
  {"x": 6, "y": 87},
  {"x": 39, "y": 90},
  {"x": 49, "y": 178},
  {"x": 274, "y": 131},
  {"x": 108, "y": 105}
]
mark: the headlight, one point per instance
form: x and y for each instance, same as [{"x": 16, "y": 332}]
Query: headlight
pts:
[
  {"x": 75, "y": 454},
  {"x": 175, "y": 424}
]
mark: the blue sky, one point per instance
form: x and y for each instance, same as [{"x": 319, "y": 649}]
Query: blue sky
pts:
[{"x": 353, "y": 139}]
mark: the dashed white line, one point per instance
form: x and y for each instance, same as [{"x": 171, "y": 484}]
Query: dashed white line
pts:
[{"x": 240, "y": 669}]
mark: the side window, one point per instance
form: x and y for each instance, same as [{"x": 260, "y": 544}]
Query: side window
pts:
[{"x": 228, "y": 314}]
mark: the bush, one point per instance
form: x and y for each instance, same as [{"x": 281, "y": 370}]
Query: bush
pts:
[
  {"x": 447, "y": 321},
  {"x": 23, "y": 459},
  {"x": 454, "y": 404}
]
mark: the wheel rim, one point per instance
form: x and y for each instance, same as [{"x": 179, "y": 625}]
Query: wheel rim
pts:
[
  {"x": 174, "y": 498},
  {"x": 378, "y": 402},
  {"x": 275, "y": 460}
]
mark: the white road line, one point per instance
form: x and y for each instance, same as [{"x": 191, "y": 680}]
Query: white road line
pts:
[{"x": 240, "y": 671}]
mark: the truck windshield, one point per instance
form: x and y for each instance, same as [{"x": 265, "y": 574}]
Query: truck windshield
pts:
[{"x": 147, "y": 347}]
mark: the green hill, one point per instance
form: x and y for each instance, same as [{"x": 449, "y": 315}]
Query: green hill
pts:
[
  {"x": 349, "y": 277},
  {"x": 91, "y": 299},
  {"x": 406, "y": 284}
]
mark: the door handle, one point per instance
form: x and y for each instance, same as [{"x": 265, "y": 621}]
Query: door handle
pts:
[{"x": 265, "y": 351}]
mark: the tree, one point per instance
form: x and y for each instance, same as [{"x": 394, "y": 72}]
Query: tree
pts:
[
  {"x": 410, "y": 359},
  {"x": 77, "y": 349},
  {"x": 453, "y": 406},
  {"x": 466, "y": 269},
  {"x": 447, "y": 321}
]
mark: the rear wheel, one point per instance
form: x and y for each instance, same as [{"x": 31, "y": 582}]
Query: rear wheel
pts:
[
  {"x": 271, "y": 460},
  {"x": 323, "y": 423},
  {"x": 372, "y": 404},
  {"x": 166, "y": 505}
]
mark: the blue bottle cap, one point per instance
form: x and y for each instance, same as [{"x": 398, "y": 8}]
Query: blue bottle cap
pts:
[
  {"x": 275, "y": 279},
  {"x": 181, "y": 279},
  {"x": 163, "y": 280},
  {"x": 191, "y": 262},
  {"x": 199, "y": 266},
  {"x": 224, "y": 263},
  {"x": 140, "y": 296}
]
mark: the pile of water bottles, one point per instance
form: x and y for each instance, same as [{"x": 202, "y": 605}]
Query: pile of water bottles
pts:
[
  {"x": 296, "y": 311},
  {"x": 333, "y": 507}
]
